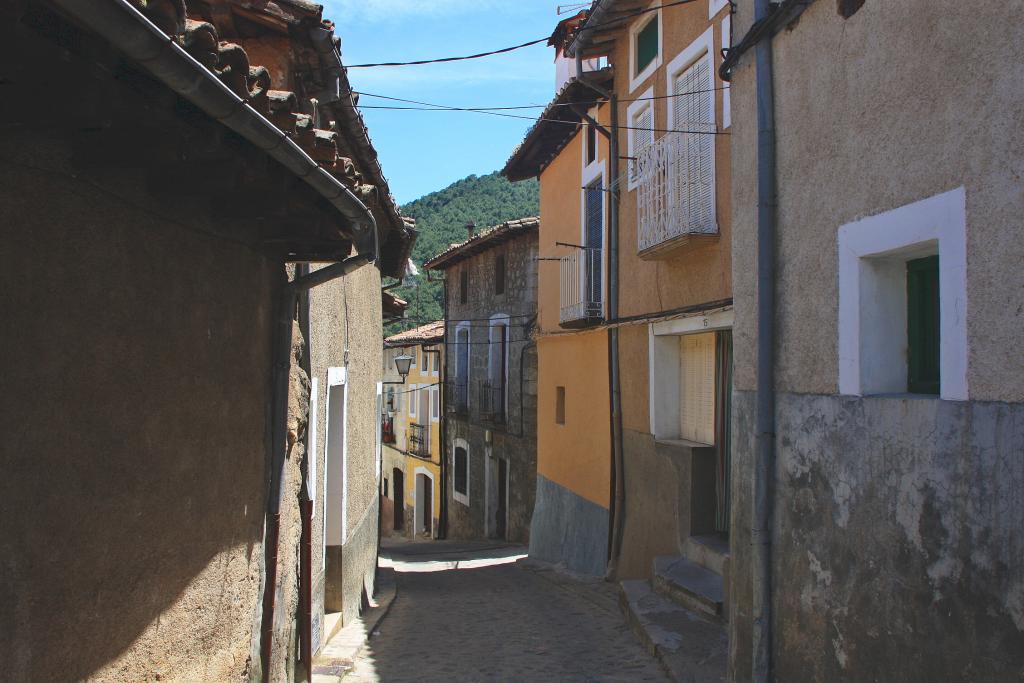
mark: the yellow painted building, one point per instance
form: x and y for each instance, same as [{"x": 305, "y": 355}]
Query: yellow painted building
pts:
[{"x": 411, "y": 434}]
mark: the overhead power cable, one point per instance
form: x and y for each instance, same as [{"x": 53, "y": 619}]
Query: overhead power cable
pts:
[
  {"x": 588, "y": 103},
  {"x": 439, "y": 60},
  {"x": 450, "y": 59},
  {"x": 440, "y": 107}
]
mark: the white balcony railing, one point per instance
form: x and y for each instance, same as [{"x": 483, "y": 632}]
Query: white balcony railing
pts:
[
  {"x": 581, "y": 285},
  {"x": 676, "y": 188}
]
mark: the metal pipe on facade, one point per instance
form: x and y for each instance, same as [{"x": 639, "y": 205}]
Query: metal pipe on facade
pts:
[
  {"x": 764, "y": 466},
  {"x": 618, "y": 511}
]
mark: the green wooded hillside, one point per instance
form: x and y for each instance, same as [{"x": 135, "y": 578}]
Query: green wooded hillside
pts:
[{"x": 441, "y": 219}]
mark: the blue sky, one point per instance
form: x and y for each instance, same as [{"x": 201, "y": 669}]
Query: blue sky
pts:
[{"x": 423, "y": 151}]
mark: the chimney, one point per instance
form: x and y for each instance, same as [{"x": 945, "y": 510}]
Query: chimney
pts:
[{"x": 471, "y": 228}]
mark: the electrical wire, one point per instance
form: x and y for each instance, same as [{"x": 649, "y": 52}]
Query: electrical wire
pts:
[
  {"x": 439, "y": 60},
  {"x": 451, "y": 59},
  {"x": 439, "y": 107},
  {"x": 587, "y": 104}
]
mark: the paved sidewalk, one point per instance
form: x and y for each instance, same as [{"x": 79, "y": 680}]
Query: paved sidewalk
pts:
[{"x": 481, "y": 612}]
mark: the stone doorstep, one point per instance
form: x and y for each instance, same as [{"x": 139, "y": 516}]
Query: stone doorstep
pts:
[
  {"x": 688, "y": 646},
  {"x": 346, "y": 642},
  {"x": 689, "y": 585},
  {"x": 710, "y": 551}
]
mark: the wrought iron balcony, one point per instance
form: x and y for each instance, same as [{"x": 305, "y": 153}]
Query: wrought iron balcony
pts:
[
  {"x": 581, "y": 287},
  {"x": 457, "y": 397},
  {"x": 418, "y": 440},
  {"x": 676, "y": 191},
  {"x": 492, "y": 401}
]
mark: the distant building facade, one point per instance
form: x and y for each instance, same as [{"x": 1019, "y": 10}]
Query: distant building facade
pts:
[
  {"x": 413, "y": 448},
  {"x": 490, "y": 383}
]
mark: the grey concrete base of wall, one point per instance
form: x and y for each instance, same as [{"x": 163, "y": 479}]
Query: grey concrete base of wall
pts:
[
  {"x": 568, "y": 529},
  {"x": 898, "y": 533},
  {"x": 351, "y": 568}
]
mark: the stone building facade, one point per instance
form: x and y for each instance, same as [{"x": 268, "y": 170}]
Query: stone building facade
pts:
[
  {"x": 490, "y": 382},
  {"x": 897, "y": 524},
  {"x": 157, "y": 393}
]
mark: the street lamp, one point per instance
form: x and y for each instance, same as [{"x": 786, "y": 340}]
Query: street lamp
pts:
[{"x": 402, "y": 364}]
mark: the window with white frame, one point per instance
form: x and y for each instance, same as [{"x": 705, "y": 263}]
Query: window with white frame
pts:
[
  {"x": 903, "y": 300},
  {"x": 460, "y": 471},
  {"x": 691, "y": 162},
  {"x": 435, "y": 403},
  {"x": 686, "y": 378},
  {"x": 645, "y": 40},
  {"x": 716, "y": 6},
  {"x": 640, "y": 119},
  {"x": 413, "y": 393}
]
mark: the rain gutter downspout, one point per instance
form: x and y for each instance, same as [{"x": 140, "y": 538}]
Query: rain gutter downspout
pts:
[
  {"x": 768, "y": 18},
  {"x": 281, "y": 375},
  {"x": 764, "y": 467},
  {"x": 127, "y": 29},
  {"x": 618, "y": 511}
]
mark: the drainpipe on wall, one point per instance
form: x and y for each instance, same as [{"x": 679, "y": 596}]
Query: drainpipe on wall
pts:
[
  {"x": 618, "y": 511},
  {"x": 442, "y": 523},
  {"x": 764, "y": 466},
  {"x": 281, "y": 372}
]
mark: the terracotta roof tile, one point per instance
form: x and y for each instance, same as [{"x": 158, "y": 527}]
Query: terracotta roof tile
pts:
[
  {"x": 483, "y": 241},
  {"x": 424, "y": 334}
]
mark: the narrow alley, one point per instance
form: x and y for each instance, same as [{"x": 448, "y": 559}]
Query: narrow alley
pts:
[{"x": 480, "y": 612}]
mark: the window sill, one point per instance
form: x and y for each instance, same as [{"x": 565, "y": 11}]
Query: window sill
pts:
[{"x": 459, "y": 498}]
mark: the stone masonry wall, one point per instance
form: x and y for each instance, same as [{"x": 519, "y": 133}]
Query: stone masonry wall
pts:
[{"x": 515, "y": 440}]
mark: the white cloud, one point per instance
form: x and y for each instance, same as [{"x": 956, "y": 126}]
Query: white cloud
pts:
[{"x": 389, "y": 10}]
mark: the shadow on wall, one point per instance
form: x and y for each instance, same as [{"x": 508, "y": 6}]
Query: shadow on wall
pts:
[{"x": 135, "y": 418}]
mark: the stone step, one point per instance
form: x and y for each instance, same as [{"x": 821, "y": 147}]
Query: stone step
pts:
[
  {"x": 710, "y": 551},
  {"x": 689, "y": 584},
  {"x": 688, "y": 646}
]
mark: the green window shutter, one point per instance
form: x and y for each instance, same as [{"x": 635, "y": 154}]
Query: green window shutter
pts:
[
  {"x": 923, "y": 325},
  {"x": 646, "y": 45}
]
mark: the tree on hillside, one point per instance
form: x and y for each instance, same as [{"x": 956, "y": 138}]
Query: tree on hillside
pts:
[{"x": 441, "y": 219}]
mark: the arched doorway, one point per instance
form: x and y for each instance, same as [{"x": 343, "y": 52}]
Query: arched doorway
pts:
[{"x": 424, "y": 508}]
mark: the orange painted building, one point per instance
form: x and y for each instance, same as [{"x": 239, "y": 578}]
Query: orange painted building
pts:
[
  {"x": 653, "y": 320},
  {"x": 574, "y": 449}
]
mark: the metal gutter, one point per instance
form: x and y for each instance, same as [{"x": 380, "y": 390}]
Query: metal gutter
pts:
[
  {"x": 765, "y": 462},
  {"x": 776, "y": 17},
  {"x": 124, "y": 27},
  {"x": 597, "y": 15}
]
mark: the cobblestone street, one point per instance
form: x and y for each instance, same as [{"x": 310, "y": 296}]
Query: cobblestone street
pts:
[{"x": 466, "y": 613}]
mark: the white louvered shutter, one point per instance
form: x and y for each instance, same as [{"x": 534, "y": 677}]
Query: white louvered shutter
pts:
[
  {"x": 693, "y": 177},
  {"x": 697, "y": 388},
  {"x": 642, "y": 136}
]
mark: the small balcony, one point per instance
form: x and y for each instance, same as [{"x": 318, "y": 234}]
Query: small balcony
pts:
[
  {"x": 492, "y": 402},
  {"x": 581, "y": 288},
  {"x": 387, "y": 429},
  {"x": 676, "y": 192},
  {"x": 457, "y": 397},
  {"x": 418, "y": 440}
]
